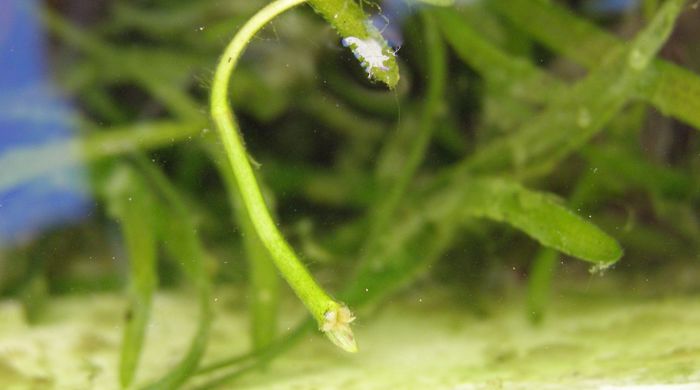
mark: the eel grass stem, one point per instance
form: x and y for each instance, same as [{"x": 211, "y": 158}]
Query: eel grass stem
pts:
[{"x": 333, "y": 318}]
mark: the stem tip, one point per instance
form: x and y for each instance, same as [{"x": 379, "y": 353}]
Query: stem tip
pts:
[{"x": 336, "y": 326}]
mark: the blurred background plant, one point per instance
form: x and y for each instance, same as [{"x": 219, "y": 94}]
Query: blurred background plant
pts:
[{"x": 573, "y": 123}]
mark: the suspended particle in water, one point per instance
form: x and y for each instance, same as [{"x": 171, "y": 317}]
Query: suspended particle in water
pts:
[
  {"x": 584, "y": 117},
  {"x": 636, "y": 60}
]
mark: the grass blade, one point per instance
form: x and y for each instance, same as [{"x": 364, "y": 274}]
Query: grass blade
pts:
[
  {"x": 518, "y": 75},
  {"x": 569, "y": 122},
  {"x": 334, "y": 318},
  {"x": 670, "y": 88},
  {"x": 132, "y": 206},
  {"x": 542, "y": 217},
  {"x": 264, "y": 284},
  {"x": 539, "y": 283},
  {"x": 178, "y": 233}
]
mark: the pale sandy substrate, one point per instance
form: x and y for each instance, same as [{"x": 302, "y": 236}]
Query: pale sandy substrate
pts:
[{"x": 416, "y": 342}]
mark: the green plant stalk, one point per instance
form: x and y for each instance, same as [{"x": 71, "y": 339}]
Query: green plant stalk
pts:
[
  {"x": 34, "y": 294},
  {"x": 517, "y": 75},
  {"x": 539, "y": 283},
  {"x": 544, "y": 265},
  {"x": 131, "y": 205},
  {"x": 250, "y": 361},
  {"x": 184, "y": 245},
  {"x": 332, "y": 317},
  {"x": 264, "y": 282}
]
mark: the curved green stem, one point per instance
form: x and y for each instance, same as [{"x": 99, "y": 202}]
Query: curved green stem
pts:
[{"x": 333, "y": 318}]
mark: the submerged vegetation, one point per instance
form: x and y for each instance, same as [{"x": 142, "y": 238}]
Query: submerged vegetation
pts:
[{"x": 499, "y": 142}]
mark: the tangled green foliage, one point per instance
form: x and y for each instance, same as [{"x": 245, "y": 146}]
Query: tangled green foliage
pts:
[{"x": 362, "y": 187}]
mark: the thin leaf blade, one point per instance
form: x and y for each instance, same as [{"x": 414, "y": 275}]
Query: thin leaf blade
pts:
[
  {"x": 542, "y": 217},
  {"x": 132, "y": 205}
]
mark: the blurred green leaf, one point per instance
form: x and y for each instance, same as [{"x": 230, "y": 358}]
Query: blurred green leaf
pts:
[
  {"x": 635, "y": 171},
  {"x": 178, "y": 233},
  {"x": 131, "y": 204},
  {"x": 540, "y": 216},
  {"x": 418, "y": 239},
  {"x": 570, "y": 121},
  {"x": 264, "y": 283},
  {"x": 517, "y": 75},
  {"x": 670, "y": 88},
  {"x": 539, "y": 283}
]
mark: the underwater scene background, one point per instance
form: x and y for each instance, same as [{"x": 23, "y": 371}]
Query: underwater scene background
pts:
[{"x": 458, "y": 194}]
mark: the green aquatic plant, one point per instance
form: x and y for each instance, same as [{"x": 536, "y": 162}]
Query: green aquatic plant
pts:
[
  {"x": 142, "y": 212},
  {"x": 480, "y": 157},
  {"x": 333, "y": 318},
  {"x": 358, "y": 32},
  {"x": 131, "y": 205}
]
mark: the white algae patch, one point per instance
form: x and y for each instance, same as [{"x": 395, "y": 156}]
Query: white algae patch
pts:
[{"x": 369, "y": 52}]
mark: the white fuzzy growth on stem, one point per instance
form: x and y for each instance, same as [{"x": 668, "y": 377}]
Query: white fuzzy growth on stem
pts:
[{"x": 369, "y": 52}]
